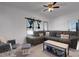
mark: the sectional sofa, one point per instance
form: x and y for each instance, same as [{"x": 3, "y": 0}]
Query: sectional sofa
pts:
[{"x": 41, "y": 36}]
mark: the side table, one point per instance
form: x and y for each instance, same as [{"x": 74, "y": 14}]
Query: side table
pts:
[{"x": 26, "y": 48}]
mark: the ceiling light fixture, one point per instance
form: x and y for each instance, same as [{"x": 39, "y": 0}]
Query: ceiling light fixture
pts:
[
  {"x": 51, "y": 6},
  {"x": 50, "y": 9}
]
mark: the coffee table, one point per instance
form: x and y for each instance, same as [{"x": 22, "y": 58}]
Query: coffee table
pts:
[{"x": 58, "y": 45}]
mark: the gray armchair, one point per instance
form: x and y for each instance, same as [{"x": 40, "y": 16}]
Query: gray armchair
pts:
[{"x": 13, "y": 43}]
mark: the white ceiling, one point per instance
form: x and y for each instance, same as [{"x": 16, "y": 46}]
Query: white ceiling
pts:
[{"x": 37, "y": 8}]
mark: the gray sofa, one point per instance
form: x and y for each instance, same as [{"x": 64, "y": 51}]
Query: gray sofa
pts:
[
  {"x": 55, "y": 36},
  {"x": 34, "y": 40},
  {"x": 4, "y": 47}
]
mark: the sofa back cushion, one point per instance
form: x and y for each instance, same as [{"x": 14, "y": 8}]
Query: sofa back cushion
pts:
[
  {"x": 53, "y": 34},
  {"x": 47, "y": 33},
  {"x": 65, "y": 36}
]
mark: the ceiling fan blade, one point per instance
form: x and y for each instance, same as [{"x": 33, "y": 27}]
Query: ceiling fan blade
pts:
[
  {"x": 56, "y": 7},
  {"x": 54, "y": 3},
  {"x": 45, "y": 10},
  {"x": 45, "y": 5}
]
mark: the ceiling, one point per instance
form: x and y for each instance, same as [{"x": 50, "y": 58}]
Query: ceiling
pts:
[{"x": 37, "y": 8}]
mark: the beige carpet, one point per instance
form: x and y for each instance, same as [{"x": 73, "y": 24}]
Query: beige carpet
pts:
[{"x": 37, "y": 51}]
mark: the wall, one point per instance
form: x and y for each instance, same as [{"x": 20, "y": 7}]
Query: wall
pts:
[
  {"x": 12, "y": 23},
  {"x": 62, "y": 22}
]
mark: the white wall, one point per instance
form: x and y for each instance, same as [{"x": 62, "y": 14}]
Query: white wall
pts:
[
  {"x": 62, "y": 22},
  {"x": 12, "y": 23}
]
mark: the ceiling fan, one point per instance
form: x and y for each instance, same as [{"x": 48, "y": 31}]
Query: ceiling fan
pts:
[{"x": 51, "y": 6}]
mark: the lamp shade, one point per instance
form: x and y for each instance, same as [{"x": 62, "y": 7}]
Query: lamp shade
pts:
[{"x": 29, "y": 32}]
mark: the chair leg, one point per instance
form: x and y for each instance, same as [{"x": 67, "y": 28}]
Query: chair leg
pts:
[{"x": 25, "y": 51}]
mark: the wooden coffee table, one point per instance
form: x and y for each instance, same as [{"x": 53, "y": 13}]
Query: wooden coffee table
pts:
[{"x": 59, "y": 45}]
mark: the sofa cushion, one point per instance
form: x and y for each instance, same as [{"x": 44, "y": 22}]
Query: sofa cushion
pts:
[
  {"x": 4, "y": 47},
  {"x": 47, "y": 33},
  {"x": 40, "y": 34},
  {"x": 65, "y": 36},
  {"x": 53, "y": 34}
]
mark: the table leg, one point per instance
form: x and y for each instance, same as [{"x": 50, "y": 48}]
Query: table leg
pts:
[
  {"x": 43, "y": 46},
  {"x": 65, "y": 53},
  {"x": 68, "y": 50}
]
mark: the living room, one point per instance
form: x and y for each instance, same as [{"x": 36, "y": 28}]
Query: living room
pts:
[{"x": 62, "y": 20}]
